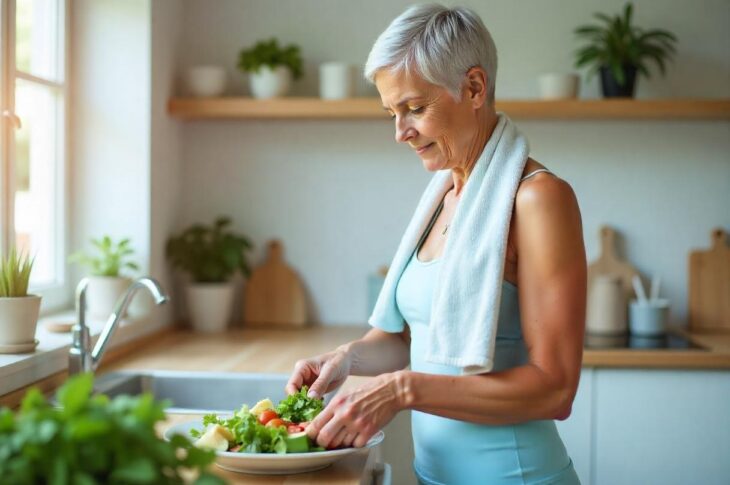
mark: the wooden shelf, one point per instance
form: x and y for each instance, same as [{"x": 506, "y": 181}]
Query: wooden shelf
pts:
[{"x": 370, "y": 108}]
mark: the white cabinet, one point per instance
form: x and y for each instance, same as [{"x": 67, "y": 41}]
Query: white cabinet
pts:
[
  {"x": 664, "y": 427},
  {"x": 636, "y": 426}
]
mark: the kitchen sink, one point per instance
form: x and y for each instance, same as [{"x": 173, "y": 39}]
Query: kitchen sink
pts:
[{"x": 195, "y": 392}]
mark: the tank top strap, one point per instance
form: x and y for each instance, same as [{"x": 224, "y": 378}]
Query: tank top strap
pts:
[{"x": 534, "y": 172}]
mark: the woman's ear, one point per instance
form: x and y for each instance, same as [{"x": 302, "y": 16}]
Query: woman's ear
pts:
[{"x": 476, "y": 87}]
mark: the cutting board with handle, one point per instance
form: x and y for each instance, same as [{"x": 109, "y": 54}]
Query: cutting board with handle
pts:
[
  {"x": 274, "y": 294},
  {"x": 709, "y": 286},
  {"x": 610, "y": 264}
]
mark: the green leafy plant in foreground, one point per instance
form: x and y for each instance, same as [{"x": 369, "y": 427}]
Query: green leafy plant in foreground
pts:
[
  {"x": 110, "y": 257},
  {"x": 15, "y": 274},
  {"x": 93, "y": 440}
]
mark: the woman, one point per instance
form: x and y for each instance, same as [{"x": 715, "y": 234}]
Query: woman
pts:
[{"x": 487, "y": 418}]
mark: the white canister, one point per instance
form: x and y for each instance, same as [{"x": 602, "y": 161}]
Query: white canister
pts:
[
  {"x": 205, "y": 81},
  {"x": 336, "y": 80},
  {"x": 558, "y": 86},
  {"x": 103, "y": 293},
  {"x": 606, "y": 310}
]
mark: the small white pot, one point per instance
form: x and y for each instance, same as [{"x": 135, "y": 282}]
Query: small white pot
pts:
[
  {"x": 210, "y": 306},
  {"x": 558, "y": 86},
  {"x": 270, "y": 83},
  {"x": 206, "y": 80},
  {"x": 336, "y": 80},
  {"x": 103, "y": 293},
  {"x": 18, "y": 319}
]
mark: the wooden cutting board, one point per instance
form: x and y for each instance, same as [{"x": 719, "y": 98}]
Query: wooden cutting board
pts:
[
  {"x": 609, "y": 263},
  {"x": 274, "y": 295},
  {"x": 709, "y": 286}
]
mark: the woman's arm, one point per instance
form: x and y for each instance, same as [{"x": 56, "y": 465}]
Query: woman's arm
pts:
[
  {"x": 376, "y": 353},
  {"x": 552, "y": 291},
  {"x": 379, "y": 352}
]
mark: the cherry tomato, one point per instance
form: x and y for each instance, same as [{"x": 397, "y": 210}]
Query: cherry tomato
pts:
[
  {"x": 275, "y": 423},
  {"x": 267, "y": 416}
]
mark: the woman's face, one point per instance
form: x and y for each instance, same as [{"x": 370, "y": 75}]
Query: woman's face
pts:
[{"x": 439, "y": 129}]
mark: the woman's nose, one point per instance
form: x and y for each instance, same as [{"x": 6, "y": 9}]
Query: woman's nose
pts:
[{"x": 403, "y": 130}]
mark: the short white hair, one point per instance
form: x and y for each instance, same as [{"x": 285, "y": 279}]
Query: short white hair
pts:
[{"x": 438, "y": 43}]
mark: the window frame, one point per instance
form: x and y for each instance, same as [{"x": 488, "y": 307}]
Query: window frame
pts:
[{"x": 57, "y": 295}]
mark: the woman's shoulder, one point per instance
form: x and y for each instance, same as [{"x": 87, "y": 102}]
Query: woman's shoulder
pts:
[{"x": 543, "y": 189}]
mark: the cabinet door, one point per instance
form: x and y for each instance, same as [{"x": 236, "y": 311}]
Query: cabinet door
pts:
[
  {"x": 662, "y": 427},
  {"x": 576, "y": 430}
]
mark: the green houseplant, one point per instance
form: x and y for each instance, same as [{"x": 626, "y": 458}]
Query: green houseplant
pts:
[
  {"x": 271, "y": 67},
  {"x": 18, "y": 309},
  {"x": 618, "y": 50},
  {"x": 106, "y": 263},
  {"x": 210, "y": 255},
  {"x": 90, "y": 439}
]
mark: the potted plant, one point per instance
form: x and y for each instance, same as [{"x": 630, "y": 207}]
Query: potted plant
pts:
[
  {"x": 618, "y": 49},
  {"x": 18, "y": 309},
  {"x": 210, "y": 255},
  {"x": 106, "y": 281},
  {"x": 271, "y": 68},
  {"x": 91, "y": 439}
]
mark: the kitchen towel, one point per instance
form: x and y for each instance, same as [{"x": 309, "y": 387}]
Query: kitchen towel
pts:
[{"x": 466, "y": 300}]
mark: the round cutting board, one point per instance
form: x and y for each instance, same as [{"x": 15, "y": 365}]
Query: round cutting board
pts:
[{"x": 274, "y": 294}]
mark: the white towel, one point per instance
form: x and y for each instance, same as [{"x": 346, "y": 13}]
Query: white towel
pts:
[{"x": 466, "y": 300}]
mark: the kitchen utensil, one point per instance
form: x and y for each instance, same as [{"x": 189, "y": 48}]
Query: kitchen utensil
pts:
[
  {"x": 639, "y": 288},
  {"x": 709, "y": 286},
  {"x": 272, "y": 463},
  {"x": 608, "y": 263},
  {"x": 654, "y": 291},
  {"x": 274, "y": 293},
  {"x": 606, "y": 310},
  {"x": 649, "y": 317}
]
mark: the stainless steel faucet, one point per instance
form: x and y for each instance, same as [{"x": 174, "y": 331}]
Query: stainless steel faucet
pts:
[{"x": 81, "y": 358}]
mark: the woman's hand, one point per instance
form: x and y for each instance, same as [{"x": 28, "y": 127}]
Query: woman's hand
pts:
[
  {"x": 322, "y": 373},
  {"x": 352, "y": 418}
]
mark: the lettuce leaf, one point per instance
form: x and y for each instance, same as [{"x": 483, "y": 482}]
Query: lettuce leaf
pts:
[{"x": 298, "y": 407}]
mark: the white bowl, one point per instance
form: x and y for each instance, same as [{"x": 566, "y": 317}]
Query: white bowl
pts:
[{"x": 206, "y": 81}]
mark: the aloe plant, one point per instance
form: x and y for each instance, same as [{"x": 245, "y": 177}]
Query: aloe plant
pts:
[
  {"x": 615, "y": 43},
  {"x": 15, "y": 274},
  {"x": 111, "y": 257}
]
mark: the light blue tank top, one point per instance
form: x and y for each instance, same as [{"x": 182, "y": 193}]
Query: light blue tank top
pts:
[{"x": 453, "y": 452}]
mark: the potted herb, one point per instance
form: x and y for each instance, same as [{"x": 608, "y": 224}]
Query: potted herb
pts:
[
  {"x": 90, "y": 439},
  {"x": 618, "y": 50},
  {"x": 210, "y": 255},
  {"x": 18, "y": 309},
  {"x": 271, "y": 68},
  {"x": 105, "y": 263}
]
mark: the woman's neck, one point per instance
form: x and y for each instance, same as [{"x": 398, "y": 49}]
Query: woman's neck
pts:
[{"x": 485, "y": 127}]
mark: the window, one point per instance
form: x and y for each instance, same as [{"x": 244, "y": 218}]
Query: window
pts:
[{"x": 33, "y": 182}]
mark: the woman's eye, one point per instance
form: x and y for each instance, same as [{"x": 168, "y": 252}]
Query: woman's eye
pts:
[{"x": 417, "y": 110}]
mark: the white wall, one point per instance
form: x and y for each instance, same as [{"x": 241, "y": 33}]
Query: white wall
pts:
[
  {"x": 165, "y": 139},
  {"x": 340, "y": 193}
]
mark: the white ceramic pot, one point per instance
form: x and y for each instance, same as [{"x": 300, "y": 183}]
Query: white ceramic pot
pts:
[
  {"x": 210, "y": 306},
  {"x": 205, "y": 80},
  {"x": 18, "y": 319},
  {"x": 103, "y": 293},
  {"x": 270, "y": 83},
  {"x": 336, "y": 81},
  {"x": 558, "y": 86}
]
